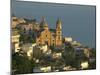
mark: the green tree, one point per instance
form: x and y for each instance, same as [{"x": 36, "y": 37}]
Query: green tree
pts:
[
  {"x": 21, "y": 64},
  {"x": 92, "y": 64},
  {"x": 69, "y": 55}
]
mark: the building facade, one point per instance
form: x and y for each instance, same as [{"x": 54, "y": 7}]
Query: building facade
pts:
[
  {"x": 50, "y": 36},
  {"x": 15, "y": 41},
  {"x": 15, "y": 21}
]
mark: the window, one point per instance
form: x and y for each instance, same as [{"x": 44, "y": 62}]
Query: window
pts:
[
  {"x": 58, "y": 37},
  {"x": 46, "y": 35},
  {"x": 53, "y": 44}
]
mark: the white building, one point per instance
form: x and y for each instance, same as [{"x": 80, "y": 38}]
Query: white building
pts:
[
  {"x": 66, "y": 68},
  {"x": 36, "y": 69},
  {"x": 28, "y": 48},
  {"x": 42, "y": 69},
  {"x": 15, "y": 41},
  {"x": 57, "y": 55},
  {"x": 75, "y": 43},
  {"x": 46, "y": 69},
  {"x": 44, "y": 48},
  {"x": 68, "y": 39},
  {"x": 84, "y": 65},
  {"x": 87, "y": 52}
]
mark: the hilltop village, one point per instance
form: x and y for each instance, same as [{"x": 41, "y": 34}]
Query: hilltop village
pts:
[{"x": 37, "y": 48}]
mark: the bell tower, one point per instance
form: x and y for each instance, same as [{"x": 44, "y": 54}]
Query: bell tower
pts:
[
  {"x": 43, "y": 24},
  {"x": 58, "y": 32}
]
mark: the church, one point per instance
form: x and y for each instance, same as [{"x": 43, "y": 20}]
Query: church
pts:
[{"x": 51, "y": 37}]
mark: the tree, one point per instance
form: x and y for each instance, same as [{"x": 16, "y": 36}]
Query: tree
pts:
[
  {"x": 92, "y": 64},
  {"x": 69, "y": 55},
  {"x": 93, "y": 52},
  {"x": 21, "y": 64}
]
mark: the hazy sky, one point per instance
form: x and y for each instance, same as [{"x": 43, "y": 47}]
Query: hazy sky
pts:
[{"x": 78, "y": 21}]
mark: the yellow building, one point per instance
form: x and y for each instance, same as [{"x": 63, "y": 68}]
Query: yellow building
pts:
[
  {"x": 15, "y": 21},
  {"x": 87, "y": 52},
  {"x": 15, "y": 41},
  {"x": 49, "y": 36}
]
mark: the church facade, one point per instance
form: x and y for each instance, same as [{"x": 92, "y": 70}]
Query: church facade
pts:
[{"x": 51, "y": 37}]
